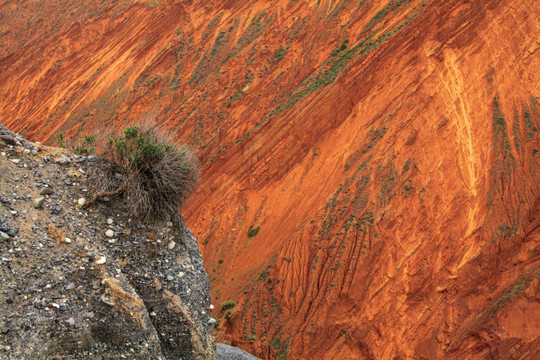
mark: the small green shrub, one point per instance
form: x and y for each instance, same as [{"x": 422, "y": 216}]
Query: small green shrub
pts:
[
  {"x": 61, "y": 139},
  {"x": 86, "y": 147},
  {"x": 137, "y": 147},
  {"x": 276, "y": 343},
  {"x": 253, "y": 231},
  {"x": 229, "y": 304}
]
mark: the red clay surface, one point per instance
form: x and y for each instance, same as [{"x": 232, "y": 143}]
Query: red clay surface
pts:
[{"x": 386, "y": 151}]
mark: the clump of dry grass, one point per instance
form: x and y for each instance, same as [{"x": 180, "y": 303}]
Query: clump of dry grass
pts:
[{"x": 155, "y": 176}]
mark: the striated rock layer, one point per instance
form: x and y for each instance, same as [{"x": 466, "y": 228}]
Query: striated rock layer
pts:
[{"x": 371, "y": 186}]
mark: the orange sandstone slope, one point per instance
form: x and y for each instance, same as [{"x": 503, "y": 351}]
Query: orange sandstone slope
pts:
[{"x": 383, "y": 156}]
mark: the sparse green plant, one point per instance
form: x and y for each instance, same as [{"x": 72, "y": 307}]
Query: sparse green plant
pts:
[
  {"x": 276, "y": 343},
  {"x": 23, "y": 131},
  {"x": 253, "y": 231},
  {"x": 284, "y": 352},
  {"x": 280, "y": 53},
  {"x": 229, "y": 304},
  {"x": 344, "y": 45},
  {"x": 408, "y": 186},
  {"x": 61, "y": 139},
  {"x": 86, "y": 147}
]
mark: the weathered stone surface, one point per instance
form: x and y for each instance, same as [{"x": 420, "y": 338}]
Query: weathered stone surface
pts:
[
  {"x": 227, "y": 352},
  {"x": 88, "y": 299}
]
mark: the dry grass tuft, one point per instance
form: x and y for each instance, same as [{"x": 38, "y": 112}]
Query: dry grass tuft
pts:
[
  {"x": 158, "y": 188},
  {"x": 155, "y": 176}
]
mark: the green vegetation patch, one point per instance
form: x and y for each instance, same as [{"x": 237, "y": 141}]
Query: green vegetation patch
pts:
[
  {"x": 284, "y": 352},
  {"x": 504, "y": 163},
  {"x": 252, "y": 232},
  {"x": 86, "y": 147},
  {"x": 531, "y": 127},
  {"x": 229, "y": 304},
  {"x": 280, "y": 53},
  {"x": 255, "y": 29}
]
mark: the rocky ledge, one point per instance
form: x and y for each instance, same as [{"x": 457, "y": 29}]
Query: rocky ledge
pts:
[{"x": 91, "y": 283}]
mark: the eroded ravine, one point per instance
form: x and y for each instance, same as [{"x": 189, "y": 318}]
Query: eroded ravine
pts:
[{"x": 387, "y": 153}]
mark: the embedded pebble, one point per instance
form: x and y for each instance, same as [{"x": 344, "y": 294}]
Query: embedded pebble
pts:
[
  {"x": 36, "y": 203},
  {"x": 63, "y": 161},
  {"x": 15, "y": 161},
  {"x": 4, "y": 236},
  {"x": 101, "y": 259},
  {"x": 109, "y": 221},
  {"x": 171, "y": 245},
  {"x": 212, "y": 321},
  {"x": 109, "y": 233},
  {"x": 71, "y": 321},
  {"x": 4, "y": 227},
  {"x": 81, "y": 201},
  {"x": 46, "y": 191},
  {"x": 105, "y": 301},
  {"x": 170, "y": 278},
  {"x": 56, "y": 209}
]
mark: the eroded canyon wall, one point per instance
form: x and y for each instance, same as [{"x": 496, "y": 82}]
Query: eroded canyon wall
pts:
[{"x": 384, "y": 156}]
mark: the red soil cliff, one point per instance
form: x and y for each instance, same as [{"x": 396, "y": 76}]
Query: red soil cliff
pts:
[{"x": 384, "y": 155}]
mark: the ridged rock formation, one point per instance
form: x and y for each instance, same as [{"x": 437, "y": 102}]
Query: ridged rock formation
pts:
[{"x": 371, "y": 168}]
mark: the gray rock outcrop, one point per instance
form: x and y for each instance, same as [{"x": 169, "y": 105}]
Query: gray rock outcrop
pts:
[
  {"x": 70, "y": 292},
  {"x": 226, "y": 352}
]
